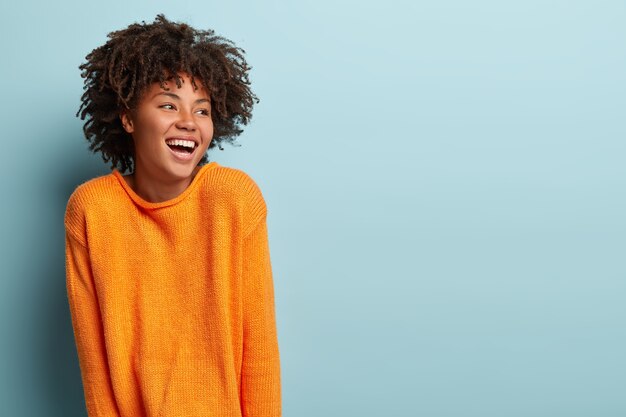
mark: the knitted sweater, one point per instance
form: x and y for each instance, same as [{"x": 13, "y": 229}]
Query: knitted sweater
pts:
[{"x": 172, "y": 303}]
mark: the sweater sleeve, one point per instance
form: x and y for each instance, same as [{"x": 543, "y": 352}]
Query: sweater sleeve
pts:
[
  {"x": 88, "y": 333},
  {"x": 260, "y": 376}
]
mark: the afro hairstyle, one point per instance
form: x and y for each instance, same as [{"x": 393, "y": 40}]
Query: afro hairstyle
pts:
[{"x": 119, "y": 72}]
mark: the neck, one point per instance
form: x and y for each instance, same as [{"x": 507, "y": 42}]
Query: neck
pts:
[{"x": 156, "y": 191}]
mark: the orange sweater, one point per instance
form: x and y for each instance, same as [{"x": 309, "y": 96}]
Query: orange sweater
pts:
[{"x": 172, "y": 303}]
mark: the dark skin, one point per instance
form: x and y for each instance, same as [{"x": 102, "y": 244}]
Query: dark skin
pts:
[
  {"x": 162, "y": 115},
  {"x": 118, "y": 73}
]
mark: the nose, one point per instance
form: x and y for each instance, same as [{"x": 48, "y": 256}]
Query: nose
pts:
[{"x": 185, "y": 121}]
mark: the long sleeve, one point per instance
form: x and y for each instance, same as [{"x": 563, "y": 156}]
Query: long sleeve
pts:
[
  {"x": 260, "y": 376},
  {"x": 172, "y": 302},
  {"x": 88, "y": 331}
]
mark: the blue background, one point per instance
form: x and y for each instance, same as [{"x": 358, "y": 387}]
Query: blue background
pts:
[{"x": 445, "y": 185}]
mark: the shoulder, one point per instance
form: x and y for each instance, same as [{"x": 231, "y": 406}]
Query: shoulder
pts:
[
  {"x": 86, "y": 196},
  {"x": 89, "y": 192},
  {"x": 241, "y": 190},
  {"x": 235, "y": 180}
]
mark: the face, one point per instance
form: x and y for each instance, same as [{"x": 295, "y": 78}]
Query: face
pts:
[{"x": 172, "y": 129}]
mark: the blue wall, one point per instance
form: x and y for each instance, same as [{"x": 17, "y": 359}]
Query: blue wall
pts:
[{"x": 445, "y": 184}]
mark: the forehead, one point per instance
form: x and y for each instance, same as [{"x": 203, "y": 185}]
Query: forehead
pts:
[
  {"x": 173, "y": 81},
  {"x": 170, "y": 84}
]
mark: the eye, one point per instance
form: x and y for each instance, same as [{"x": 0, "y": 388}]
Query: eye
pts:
[
  {"x": 167, "y": 106},
  {"x": 204, "y": 112}
]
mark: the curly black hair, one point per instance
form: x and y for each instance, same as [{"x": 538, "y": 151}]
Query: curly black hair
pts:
[{"x": 118, "y": 73}]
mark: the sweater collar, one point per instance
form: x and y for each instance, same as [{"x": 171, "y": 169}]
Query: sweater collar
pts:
[{"x": 150, "y": 205}]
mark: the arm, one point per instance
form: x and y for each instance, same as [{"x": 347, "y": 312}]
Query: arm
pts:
[
  {"x": 260, "y": 375},
  {"x": 87, "y": 324}
]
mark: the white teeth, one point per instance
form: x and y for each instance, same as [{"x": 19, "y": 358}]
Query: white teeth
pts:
[{"x": 181, "y": 142}]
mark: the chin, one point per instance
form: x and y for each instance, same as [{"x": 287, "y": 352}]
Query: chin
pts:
[{"x": 182, "y": 171}]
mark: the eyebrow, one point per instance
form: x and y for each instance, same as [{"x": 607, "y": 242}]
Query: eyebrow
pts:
[{"x": 176, "y": 97}]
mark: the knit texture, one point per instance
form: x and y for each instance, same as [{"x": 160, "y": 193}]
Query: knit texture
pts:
[{"x": 172, "y": 303}]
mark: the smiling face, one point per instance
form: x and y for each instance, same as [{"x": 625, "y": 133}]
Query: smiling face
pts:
[{"x": 171, "y": 129}]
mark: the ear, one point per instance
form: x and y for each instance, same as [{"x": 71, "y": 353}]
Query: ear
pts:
[{"x": 127, "y": 122}]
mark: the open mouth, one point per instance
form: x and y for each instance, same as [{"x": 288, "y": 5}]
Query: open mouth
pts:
[{"x": 182, "y": 146}]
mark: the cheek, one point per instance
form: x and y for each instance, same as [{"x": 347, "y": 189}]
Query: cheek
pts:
[
  {"x": 152, "y": 129},
  {"x": 208, "y": 130}
]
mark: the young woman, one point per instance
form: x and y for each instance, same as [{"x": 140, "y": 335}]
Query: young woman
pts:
[{"x": 169, "y": 278}]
